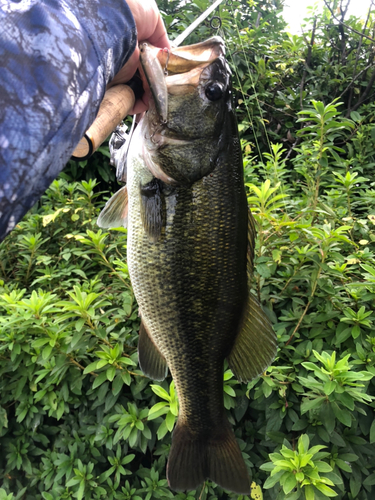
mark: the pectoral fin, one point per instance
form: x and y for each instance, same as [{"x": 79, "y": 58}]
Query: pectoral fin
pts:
[
  {"x": 115, "y": 212},
  {"x": 151, "y": 361},
  {"x": 255, "y": 346},
  {"x": 152, "y": 209}
]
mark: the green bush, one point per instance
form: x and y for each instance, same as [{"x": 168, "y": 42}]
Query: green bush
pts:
[{"x": 78, "y": 417}]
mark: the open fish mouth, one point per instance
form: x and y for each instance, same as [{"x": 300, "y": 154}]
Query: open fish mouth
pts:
[{"x": 178, "y": 71}]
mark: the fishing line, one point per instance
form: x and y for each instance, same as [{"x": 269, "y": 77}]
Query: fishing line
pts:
[
  {"x": 252, "y": 84},
  {"x": 251, "y": 121}
]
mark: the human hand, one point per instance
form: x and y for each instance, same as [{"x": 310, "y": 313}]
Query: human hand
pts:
[{"x": 150, "y": 28}]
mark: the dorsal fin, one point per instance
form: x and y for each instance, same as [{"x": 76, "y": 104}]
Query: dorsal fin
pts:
[{"x": 255, "y": 346}]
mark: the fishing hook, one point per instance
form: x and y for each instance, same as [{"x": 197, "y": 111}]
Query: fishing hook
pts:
[{"x": 166, "y": 64}]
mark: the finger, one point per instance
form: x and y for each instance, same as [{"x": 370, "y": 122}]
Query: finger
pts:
[
  {"x": 159, "y": 38},
  {"x": 139, "y": 107}
]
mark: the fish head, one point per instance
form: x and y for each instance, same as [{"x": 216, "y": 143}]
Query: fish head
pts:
[{"x": 183, "y": 142}]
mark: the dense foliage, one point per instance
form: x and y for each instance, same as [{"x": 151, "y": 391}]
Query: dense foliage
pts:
[{"x": 77, "y": 417}]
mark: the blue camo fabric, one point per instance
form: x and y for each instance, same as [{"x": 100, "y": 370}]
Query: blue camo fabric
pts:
[{"x": 56, "y": 59}]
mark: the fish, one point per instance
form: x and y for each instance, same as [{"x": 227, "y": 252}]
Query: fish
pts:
[{"x": 190, "y": 255}]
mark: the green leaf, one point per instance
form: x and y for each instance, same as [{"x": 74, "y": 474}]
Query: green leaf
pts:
[
  {"x": 356, "y": 331},
  {"x": 345, "y": 399},
  {"x": 73, "y": 482},
  {"x": 127, "y": 361},
  {"x": 159, "y": 391},
  {"x": 289, "y": 483},
  {"x": 79, "y": 324},
  {"x": 327, "y": 416},
  {"x": 309, "y": 404},
  {"x": 162, "y": 430},
  {"x": 355, "y": 116},
  {"x": 147, "y": 433},
  {"x": 101, "y": 363},
  {"x": 355, "y": 486},
  {"x": 272, "y": 480},
  {"x": 343, "y": 465},
  {"x": 305, "y": 459},
  {"x": 309, "y": 492},
  {"x": 300, "y": 425},
  {"x": 300, "y": 476},
  {"x": 303, "y": 444},
  {"x": 326, "y": 490},
  {"x": 47, "y": 352},
  {"x": 125, "y": 375},
  {"x": 329, "y": 387},
  {"x": 268, "y": 466},
  {"x": 370, "y": 480},
  {"x": 170, "y": 420},
  {"x": 45, "y": 495},
  {"x": 139, "y": 425},
  {"x": 285, "y": 464},
  {"x": 343, "y": 335},
  {"x": 105, "y": 475},
  {"x": 342, "y": 415},
  {"x": 129, "y": 458},
  {"x": 81, "y": 490},
  {"x": 229, "y": 390},
  {"x": 349, "y": 457},
  {"x": 90, "y": 368},
  {"x": 287, "y": 453},
  {"x": 133, "y": 437},
  {"x": 337, "y": 439},
  {"x": 157, "y": 410},
  {"x": 102, "y": 377},
  {"x": 372, "y": 432},
  {"x": 111, "y": 372},
  {"x": 322, "y": 466},
  {"x": 117, "y": 385},
  {"x": 40, "y": 342}
]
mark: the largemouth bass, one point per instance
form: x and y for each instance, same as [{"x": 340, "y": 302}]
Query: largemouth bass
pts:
[{"x": 190, "y": 256}]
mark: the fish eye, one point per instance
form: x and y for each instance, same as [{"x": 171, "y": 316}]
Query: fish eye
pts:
[{"x": 214, "y": 91}]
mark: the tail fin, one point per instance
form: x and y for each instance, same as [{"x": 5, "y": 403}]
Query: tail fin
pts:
[{"x": 216, "y": 456}]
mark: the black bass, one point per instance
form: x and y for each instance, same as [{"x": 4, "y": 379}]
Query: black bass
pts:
[{"x": 190, "y": 252}]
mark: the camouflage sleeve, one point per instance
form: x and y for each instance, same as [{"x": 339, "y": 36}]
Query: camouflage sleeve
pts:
[{"x": 56, "y": 58}]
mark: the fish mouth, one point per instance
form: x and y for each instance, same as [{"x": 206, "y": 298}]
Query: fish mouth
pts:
[
  {"x": 183, "y": 59},
  {"x": 177, "y": 71}
]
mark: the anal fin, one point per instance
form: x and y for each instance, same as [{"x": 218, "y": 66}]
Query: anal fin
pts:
[
  {"x": 151, "y": 361},
  {"x": 255, "y": 346}
]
